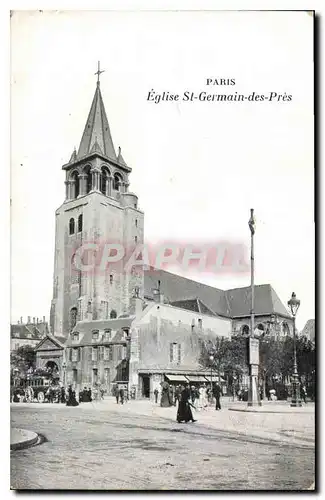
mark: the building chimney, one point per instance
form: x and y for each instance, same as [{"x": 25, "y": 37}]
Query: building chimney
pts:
[
  {"x": 18, "y": 322},
  {"x": 28, "y": 319},
  {"x": 33, "y": 320},
  {"x": 37, "y": 320},
  {"x": 21, "y": 320},
  {"x": 43, "y": 319}
]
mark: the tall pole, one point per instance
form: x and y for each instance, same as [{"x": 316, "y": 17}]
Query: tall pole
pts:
[
  {"x": 252, "y": 275},
  {"x": 253, "y": 344},
  {"x": 295, "y": 398}
]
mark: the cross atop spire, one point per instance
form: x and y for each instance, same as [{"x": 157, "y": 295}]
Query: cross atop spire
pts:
[{"x": 98, "y": 72}]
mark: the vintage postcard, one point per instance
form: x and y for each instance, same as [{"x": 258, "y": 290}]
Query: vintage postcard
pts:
[{"x": 162, "y": 223}]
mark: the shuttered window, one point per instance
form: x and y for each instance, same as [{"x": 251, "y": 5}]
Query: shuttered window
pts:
[
  {"x": 95, "y": 354},
  {"x": 171, "y": 352},
  {"x": 179, "y": 353}
]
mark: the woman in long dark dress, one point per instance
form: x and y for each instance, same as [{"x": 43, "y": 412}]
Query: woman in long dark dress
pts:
[
  {"x": 71, "y": 398},
  {"x": 184, "y": 412}
]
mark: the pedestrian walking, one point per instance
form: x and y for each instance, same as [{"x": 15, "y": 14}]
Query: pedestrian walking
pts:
[
  {"x": 192, "y": 389},
  {"x": 303, "y": 393},
  {"x": 217, "y": 394},
  {"x": 62, "y": 395},
  {"x": 156, "y": 392},
  {"x": 89, "y": 395},
  {"x": 71, "y": 398},
  {"x": 202, "y": 397},
  {"x": 177, "y": 394},
  {"x": 121, "y": 394},
  {"x": 184, "y": 412}
]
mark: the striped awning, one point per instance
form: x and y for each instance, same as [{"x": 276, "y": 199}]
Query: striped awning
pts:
[
  {"x": 176, "y": 378},
  {"x": 196, "y": 378},
  {"x": 215, "y": 378}
]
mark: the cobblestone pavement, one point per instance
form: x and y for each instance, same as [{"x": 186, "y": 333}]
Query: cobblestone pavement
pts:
[{"x": 139, "y": 446}]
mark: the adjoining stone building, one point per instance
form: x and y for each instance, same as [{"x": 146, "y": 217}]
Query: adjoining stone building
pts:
[
  {"x": 140, "y": 327},
  {"x": 29, "y": 333}
]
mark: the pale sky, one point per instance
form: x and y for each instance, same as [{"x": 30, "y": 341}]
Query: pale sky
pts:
[{"x": 198, "y": 167}]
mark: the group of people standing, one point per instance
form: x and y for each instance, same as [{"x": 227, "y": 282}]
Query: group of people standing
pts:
[
  {"x": 188, "y": 397},
  {"x": 196, "y": 398}
]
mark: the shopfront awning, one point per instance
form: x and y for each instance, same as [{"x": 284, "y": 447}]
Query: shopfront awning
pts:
[
  {"x": 196, "y": 378},
  {"x": 176, "y": 378},
  {"x": 215, "y": 378}
]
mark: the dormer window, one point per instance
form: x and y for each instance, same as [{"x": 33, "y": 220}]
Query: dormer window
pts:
[
  {"x": 126, "y": 333},
  {"x": 75, "y": 337},
  {"x": 95, "y": 335},
  {"x": 107, "y": 335}
]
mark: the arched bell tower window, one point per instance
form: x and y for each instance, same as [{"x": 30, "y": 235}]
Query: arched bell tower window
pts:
[
  {"x": 73, "y": 317},
  {"x": 80, "y": 223},
  {"x": 71, "y": 226},
  {"x": 88, "y": 180},
  {"x": 113, "y": 314},
  {"x": 104, "y": 180},
  {"x": 116, "y": 182},
  {"x": 75, "y": 185}
]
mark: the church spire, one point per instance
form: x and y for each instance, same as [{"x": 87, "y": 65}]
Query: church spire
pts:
[{"x": 97, "y": 132}]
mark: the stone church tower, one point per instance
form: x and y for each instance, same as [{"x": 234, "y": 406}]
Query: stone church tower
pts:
[{"x": 98, "y": 209}]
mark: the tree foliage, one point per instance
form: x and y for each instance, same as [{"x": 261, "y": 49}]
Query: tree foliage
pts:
[
  {"x": 22, "y": 359},
  {"x": 230, "y": 356}
]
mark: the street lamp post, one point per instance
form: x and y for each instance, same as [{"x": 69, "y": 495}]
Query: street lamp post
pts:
[
  {"x": 64, "y": 365},
  {"x": 253, "y": 343},
  {"x": 294, "y": 305}
]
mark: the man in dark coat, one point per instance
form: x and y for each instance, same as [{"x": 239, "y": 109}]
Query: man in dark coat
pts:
[
  {"x": 217, "y": 394},
  {"x": 184, "y": 412},
  {"x": 121, "y": 393},
  {"x": 89, "y": 396},
  {"x": 62, "y": 396}
]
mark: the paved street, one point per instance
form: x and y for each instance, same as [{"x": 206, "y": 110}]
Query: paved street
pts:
[{"x": 139, "y": 446}]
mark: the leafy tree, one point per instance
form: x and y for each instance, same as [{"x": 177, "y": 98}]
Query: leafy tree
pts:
[
  {"x": 22, "y": 359},
  {"x": 229, "y": 357}
]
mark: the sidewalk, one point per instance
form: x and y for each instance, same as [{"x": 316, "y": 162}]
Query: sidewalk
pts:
[
  {"x": 286, "y": 427},
  {"x": 278, "y": 423}
]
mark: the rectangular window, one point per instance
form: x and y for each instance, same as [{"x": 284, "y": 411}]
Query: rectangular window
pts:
[
  {"x": 171, "y": 352},
  {"x": 119, "y": 352},
  {"x": 106, "y": 376},
  {"x": 95, "y": 376},
  {"x": 95, "y": 354},
  {"x": 179, "y": 353},
  {"x": 175, "y": 352},
  {"x": 107, "y": 335},
  {"x": 200, "y": 323},
  {"x": 124, "y": 352},
  {"x": 104, "y": 308},
  {"x": 75, "y": 355},
  {"x": 107, "y": 353},
  {"x": 95, "y": 336},
  {"x": 125, "y": 333},
  {"x": 111, "y": 279}
]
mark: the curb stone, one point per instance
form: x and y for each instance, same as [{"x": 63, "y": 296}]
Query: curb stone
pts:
[{"x": 21, "y": 438}]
